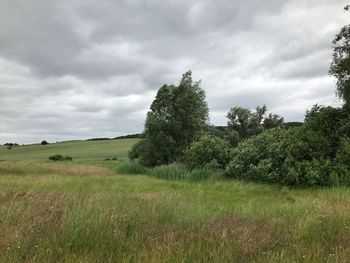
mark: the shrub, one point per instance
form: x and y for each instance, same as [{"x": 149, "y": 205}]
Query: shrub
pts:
[
  {"x": 111, "y": 158},
  {"x": 142, "y": 153},
  {"x": 259, "y": 158},
  {"x": 44, "y": 143},
  {"x": 208, "y": 152},
  {"x": 59, "y": 157},
  {"x": 315, "y": 154}
]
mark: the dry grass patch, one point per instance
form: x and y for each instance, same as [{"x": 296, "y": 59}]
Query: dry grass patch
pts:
[{"x": 247, "y": 235}]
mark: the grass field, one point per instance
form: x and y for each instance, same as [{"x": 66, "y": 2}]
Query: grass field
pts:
[
  {"x": 81, "y": 150},
  {"x": 84, "y": 211},
  {"x": 71, "y": 212}
]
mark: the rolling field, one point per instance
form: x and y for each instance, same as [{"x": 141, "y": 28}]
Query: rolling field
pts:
[
  {"x": 86, "y": 211},
  {"x": 70, "y": 212},
  {"x": 81, "y": 150}
]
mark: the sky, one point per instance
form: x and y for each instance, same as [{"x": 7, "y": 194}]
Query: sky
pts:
[{"x": 78, "y": 69}]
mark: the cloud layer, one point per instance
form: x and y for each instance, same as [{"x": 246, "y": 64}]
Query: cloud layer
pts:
[{"x": 86, "y": 68}]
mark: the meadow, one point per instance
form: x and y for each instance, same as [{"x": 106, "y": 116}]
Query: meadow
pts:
[
  {"x": 79, "y": 150},
  {"x": 88, "y": 211}
]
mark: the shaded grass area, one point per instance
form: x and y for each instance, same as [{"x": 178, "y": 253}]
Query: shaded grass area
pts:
[
  {"x": 70, "y": 212},
  {"x": 79, "y": 150}
]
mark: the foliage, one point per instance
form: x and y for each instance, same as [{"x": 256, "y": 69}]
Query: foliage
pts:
[
  {"x": 44, "y": 143},
  {"x": 232, "y": 137},
  {"x": 11, "y": 144},
  {"x": 340, "y": 66},
  {"x": 247, "y": 123},
  {"x": 328, "y": 122},
  {"x": 59, "y": 157},
  {"x": 176, "y": 117},
  {"x": 218, "y": 131},
  {"x": 314, "y": 154},
  {"x": 273, "y": 121},
  {"x": 209, "y": 152},
  {"x": 292, "y": 124}
]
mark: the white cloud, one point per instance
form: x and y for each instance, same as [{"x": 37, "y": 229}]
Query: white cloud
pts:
[{"x": 81, "y": 69}]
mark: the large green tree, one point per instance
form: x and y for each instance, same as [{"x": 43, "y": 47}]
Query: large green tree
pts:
[
  {"x": 176, "y": 117},
  {"x": 340, "y": 66}
]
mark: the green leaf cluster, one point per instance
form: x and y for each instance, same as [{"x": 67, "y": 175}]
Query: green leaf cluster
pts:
[{"x": 176, "y": 118}]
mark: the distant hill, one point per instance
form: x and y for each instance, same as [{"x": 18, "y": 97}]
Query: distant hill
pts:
[{"x": 79, "y": 150}]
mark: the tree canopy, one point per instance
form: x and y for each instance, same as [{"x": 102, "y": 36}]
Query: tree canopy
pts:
[
  {"x": 176, "y": 117},
  {"x": 248, "y": 123},
  {"x": 340, "y": 66}
]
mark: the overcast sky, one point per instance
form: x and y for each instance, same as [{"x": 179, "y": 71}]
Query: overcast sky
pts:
[{"x": 77, "y": 69}]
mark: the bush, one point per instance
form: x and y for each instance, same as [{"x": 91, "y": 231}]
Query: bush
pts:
[
  {"x": 208, "y": 152},
  {"x": 59, "y": 157},
  {"x": 111, "y": 158},
  {"x": 315, "y": 154},
  {"x": 259, "y": 158},
  {"x": 44, "y": 143}
]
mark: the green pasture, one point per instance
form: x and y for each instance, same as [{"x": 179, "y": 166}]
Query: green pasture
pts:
[
  {"x": 81, "y": 212},
  {"x": 80, "y": 150}
]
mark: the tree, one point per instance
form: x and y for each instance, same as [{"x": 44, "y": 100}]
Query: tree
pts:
[
  {"x": 44, "y": 143},
  {"x": 239, "y": 119},
  {"x": 340, "y": 66},
  {"x": 273, "y": 121},
  {"x": 248, "y": 123},
  {"x": 176, "y": 117}
]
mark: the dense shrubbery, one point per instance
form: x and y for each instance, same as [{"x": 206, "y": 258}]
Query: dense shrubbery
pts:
[
  {"x": 208, "y": 152},
  {"x": 315, "y": 154},
  {"x": 59, "y": 157}
]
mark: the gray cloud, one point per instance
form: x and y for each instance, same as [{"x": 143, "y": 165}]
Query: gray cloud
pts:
[{"x": 86, "y": 68}]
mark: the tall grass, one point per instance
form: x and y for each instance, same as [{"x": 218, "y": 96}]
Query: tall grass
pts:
[
  {"x": 68, "y": 212},
  {"x": 169, "y": 172},
  {"x": 126, "y": 167}
]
